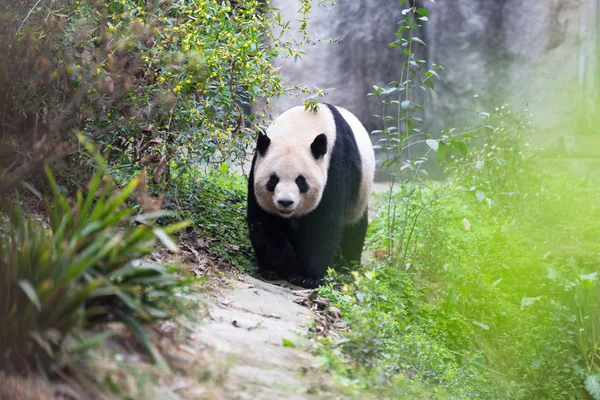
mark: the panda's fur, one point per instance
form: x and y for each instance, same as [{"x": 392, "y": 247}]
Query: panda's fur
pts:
[{"x": 308, "y": 191}]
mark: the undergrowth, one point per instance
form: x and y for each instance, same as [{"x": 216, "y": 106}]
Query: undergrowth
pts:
[
  {"x": 498, "y": 296},
  {"x": 83, "y": 268},
  {"x": 214, "y": 201}
]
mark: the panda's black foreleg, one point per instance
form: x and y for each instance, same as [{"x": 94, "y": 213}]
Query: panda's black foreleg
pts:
[
  {"x": 320, "y": 237},
  {"x": 353, "y": 242},
  {"x": 274, "y": 252},
  {"x": 271, "y": 238}
]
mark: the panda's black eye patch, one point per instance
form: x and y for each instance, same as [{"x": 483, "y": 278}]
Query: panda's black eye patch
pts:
[
  {"x": 273, "y": 181},
  {"x": 302, "y": 184}
]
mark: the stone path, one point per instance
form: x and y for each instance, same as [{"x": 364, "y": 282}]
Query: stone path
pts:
[{"x": 247, "y": 325}]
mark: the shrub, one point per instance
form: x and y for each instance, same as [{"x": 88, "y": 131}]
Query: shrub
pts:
[
  {"x": 160, "y": 86},
  {"x": 503, "y": 287},
  {"x": 82, "y": 270}
]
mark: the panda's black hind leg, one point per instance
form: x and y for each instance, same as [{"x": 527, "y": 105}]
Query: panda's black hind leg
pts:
[{"x": 353, "y": 241}]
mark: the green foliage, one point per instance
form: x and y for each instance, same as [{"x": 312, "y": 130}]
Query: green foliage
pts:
[
  {"x": 399, "y": 112},
  {"x": 484, "y": 286},
  {"x": 83, "y": 270},
  {"x": 401, "y": 131},
  {"x": 499, "y": 294},
  {"x": 205, "y": 60},
  {"x": 500, "y": 155},
  {"x": 163, "y": 87},
  {"x": 592, "y": 384},
  {"x": 214, "y": 201}
]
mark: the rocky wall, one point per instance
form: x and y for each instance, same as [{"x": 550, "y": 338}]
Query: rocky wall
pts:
[{"x": 537, "y": 54}]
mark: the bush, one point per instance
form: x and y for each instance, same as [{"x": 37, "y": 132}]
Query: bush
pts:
[
  {"x": 214, "y": 201},
  {"x": 83, "y": 270},
  {"x": 164, "y": 87},
  {"x": 498, "y": 294}
]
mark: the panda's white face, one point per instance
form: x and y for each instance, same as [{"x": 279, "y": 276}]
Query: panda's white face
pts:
[{"x": 289, "y": 181}]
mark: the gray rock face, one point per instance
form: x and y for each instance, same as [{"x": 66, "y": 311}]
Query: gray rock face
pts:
[
  {"x": 539, "y": 53},
  {"x": 351, "y": 67},
  {"x": 523, "y": 53}
]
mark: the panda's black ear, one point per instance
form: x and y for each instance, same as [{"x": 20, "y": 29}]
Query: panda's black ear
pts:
[
  {"x": 319, "y": 146},
  {"x": 262, "y": 144}
]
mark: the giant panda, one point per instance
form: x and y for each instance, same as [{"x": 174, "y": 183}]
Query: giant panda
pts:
[{"x": 308, "y": 190}]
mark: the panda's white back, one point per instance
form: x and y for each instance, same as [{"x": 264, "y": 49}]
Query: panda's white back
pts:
[{"x": 367, "y": 157}]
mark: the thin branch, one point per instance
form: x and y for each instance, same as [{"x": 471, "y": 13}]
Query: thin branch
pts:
[{"x": 27, "y": 17}]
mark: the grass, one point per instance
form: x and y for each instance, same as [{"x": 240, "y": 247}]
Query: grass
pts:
[
  {"x": 214, "y": 201},
  {"x": 493, "y": 302}
]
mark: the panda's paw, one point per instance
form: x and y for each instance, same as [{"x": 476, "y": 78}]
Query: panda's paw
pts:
[{"x": 306, "y": 282}]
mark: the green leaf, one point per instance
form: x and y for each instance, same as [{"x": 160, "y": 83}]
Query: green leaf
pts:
[
  {"x": 592, "y": 385},
  {"x": 480, "y": 195},
  {"x": 166, "y": 240},
  {"x": 32, "y": 190},
  {"x": 529, "y": 301},
  {"x": 462, "y": 148},
  {"x": 30, "y": 292},
  {"x": 176, "y": 226},
  {"x": 154, "y": 215},
  {"x": 422, "y": 12},
  {"x": 593, "y": 277},
  {"x": 479, "y": 362},
  {"x": 481, "y": 325},
  {"x": 440, "y": 154},
  {"x": 287, "y": 343},
  {"x": 416, "y": 39},
  {"x": 433, "y": 144},
  {"x": 124, "y": 194},
  {"x": 360, "y": 296},
  {"x": 92, "y": 342},
  {"x": 142, "y": 336},
  {"x": 429, "y": 84}
]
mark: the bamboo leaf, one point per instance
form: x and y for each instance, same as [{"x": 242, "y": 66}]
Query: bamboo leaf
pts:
[
  {"x": 166, "y": 240},
  {"x": 92, "y": 342},
  {"x": 30, "y": 292}
]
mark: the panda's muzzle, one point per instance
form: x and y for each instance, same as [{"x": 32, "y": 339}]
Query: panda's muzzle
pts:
[
  {"x": 284, "y": 206},
  {"x": 285, "y": 203}
]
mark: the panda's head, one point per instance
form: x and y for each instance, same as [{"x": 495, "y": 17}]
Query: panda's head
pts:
[{"x": 290, "y": 175}]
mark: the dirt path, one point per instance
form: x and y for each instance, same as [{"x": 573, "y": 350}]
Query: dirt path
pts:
[{"x": 244, "y": 334}]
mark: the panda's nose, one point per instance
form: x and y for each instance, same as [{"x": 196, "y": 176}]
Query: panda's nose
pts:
[{"x": 285, "y": 203}]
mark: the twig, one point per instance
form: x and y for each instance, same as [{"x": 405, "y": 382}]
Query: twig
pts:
[{"x": 27, "y": 17}]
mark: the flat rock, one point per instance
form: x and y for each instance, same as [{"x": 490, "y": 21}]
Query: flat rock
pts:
[{"x": 244, "y": 334}]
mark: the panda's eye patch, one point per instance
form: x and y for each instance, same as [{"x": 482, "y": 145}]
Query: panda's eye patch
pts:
[
  {"x": 273, "y": 181},
  {"x": 302, "y": 184}
]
